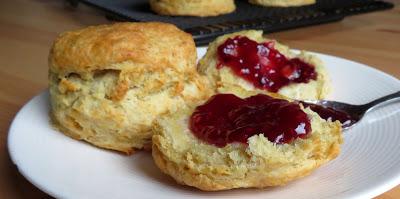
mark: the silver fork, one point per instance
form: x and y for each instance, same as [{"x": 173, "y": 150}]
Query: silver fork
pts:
[{"x": 355, "y": 112}]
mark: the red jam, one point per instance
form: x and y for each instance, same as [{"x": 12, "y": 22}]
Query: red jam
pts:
[
  {"x": 263, "y": 65},
  {"x": 226, "y": 118}
]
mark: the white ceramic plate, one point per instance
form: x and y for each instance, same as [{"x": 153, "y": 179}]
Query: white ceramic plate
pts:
[{"x": 368, "y": 165}]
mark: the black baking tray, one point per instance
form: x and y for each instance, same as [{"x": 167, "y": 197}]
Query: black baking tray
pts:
[{"x": 246, "y": 16}]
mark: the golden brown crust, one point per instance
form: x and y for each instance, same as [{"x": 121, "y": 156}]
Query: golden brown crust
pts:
[
  {"x": 225, "y": 81},
  {"x": 282, "y": 3},
  {"x": 97, "y": 47},
  {"x": 201, "y": 8},
  {"x": 108, "y": 83},
  {"x": 260, "y": 164}
]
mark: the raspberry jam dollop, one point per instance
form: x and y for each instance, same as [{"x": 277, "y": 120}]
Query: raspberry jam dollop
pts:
[
  {"x": 226, "y": 118},
  {"x": 262, "y": 65}
]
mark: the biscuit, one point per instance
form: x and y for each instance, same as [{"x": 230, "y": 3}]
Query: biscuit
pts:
[
  {"x": 225, "y": 81},
  {"x": 261, "y": 163},
  {"x": 201, "y": 8},
  {"x": 282, "y": 3},
  {"x": 108, "y": 83}
]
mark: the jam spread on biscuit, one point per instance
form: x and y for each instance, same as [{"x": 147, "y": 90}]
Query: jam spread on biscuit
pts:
[
  {"x": 263, "y": 65},
  {"x": 226, "y": 118}
]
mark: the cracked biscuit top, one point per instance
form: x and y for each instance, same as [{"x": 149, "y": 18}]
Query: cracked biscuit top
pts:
[{"x": 152, "y": 45}]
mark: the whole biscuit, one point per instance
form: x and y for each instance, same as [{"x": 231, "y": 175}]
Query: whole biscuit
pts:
[
  {"x": 201, "y": 8},
  {"x": 108, "y": 83}
]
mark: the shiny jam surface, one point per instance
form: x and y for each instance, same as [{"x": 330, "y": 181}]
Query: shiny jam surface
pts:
[
  {"x": 226, "y": 118},
  {"x": 262, "y": 65}
]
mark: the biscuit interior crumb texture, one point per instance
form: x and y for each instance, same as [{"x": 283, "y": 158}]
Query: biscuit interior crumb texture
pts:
[
  {"x": 282, "y": 3},
  {"x": 190, "y": 161},
  {"x": 225, "y": 81},
  {"x": 201, "y": 8},
  {"x": 108, "y": 83}
]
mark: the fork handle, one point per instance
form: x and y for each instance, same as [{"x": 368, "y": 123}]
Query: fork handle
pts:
[{"x": 383, "y": 101}]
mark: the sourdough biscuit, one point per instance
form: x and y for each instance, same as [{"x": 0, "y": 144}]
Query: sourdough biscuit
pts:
[
  {"x": 190, "y": 161},
  {"x": 282, "y": 3},
  {"x": 201, "y": 8},
  {"x": 108, "y": 83},
  {"x": 225, "y": 81}
]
